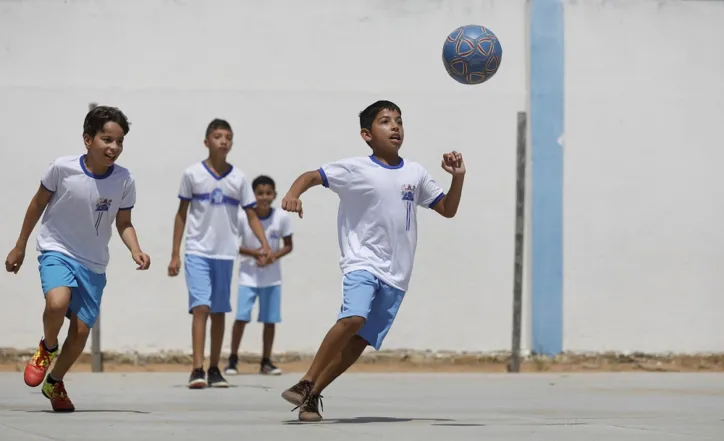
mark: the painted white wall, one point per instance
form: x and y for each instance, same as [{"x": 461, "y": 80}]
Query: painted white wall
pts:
[
  {"x": 643, "y": 185},
  {"x": 291, "y": 78}
]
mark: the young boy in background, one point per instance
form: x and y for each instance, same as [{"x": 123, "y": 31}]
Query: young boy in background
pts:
[
  {"x": 260, "y": 277},
  {"x": 377, "y": 231},
  {"x": 82, "y": 196},
  {"x": 210, "y": 194}
]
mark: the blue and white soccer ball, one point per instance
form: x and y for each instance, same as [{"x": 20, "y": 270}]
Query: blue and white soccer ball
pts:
[{"x": 472, "y": 54}]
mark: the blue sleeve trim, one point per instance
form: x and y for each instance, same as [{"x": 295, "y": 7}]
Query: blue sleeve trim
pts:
[
  {"x": 437, "y": 199},
  {"x": 325, "y": 182},
  {"x": 183, "y": 198},
  {"x": 252, "y": 205},
  {"x": 43, "y": 185},
  {"x": 126, "y": 208}
]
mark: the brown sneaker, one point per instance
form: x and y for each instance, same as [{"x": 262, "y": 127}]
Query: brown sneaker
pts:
[
  {"x": 309, "y": 410},
  {"x": 297, "y": 393}
]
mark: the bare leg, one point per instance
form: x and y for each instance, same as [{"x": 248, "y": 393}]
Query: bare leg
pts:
[
  {"x": 217, "y": 337},
  {"x": 268, "y": 339},
  {"x": 56, "y": 305},
  {"x": 336, "y": 339},
  {"x": 72, "y": 347},
  {"x": 349, "y": 355},
  {"x": 198, "y": 334},
  {"x": 237, "y": 332}
]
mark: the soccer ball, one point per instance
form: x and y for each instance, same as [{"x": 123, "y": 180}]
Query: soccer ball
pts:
[{"x": 472, "y": 54}]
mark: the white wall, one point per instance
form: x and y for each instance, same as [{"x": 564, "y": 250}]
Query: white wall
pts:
[
  {"x": 291, "y": 77},
  {"x": 643, "y": 185}
]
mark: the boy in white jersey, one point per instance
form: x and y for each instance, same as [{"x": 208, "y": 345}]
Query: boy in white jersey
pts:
[
  {"x": 81, "y": 196},
  {"x": 260, "y": 277},
  {"x": 211, "y": 193},
  {"x": 377, "y": 230}
]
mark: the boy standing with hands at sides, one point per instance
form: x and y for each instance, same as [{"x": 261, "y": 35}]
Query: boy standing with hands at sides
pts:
[
  {"x": 211, "y": 192},
  {"x": 377, "y": 231},
  {"x": 260, "y": 277},
  {"x": 81, "y": 196}
]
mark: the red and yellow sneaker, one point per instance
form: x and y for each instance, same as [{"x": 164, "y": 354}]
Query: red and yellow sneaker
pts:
[
  {"x": 38, "y": 366},
  {"x": 58, "y": 396}
]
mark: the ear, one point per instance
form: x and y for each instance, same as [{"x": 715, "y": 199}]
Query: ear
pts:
[
  {"x": 366, "y": 135},
  {"x": 87, "y": 140}
]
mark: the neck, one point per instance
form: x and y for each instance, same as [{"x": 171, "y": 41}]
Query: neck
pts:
[
  {"x": 217, "y": 164},
  {"x": 391, "y": 159},
  {"x": 93, "y": 167},
  {"x": 263, "y": 212}
]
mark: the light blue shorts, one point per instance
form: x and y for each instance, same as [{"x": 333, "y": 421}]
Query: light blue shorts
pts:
[
  {"x": 364, "y": 295},
  {"x": 209, "y": 283},
  {"x": 270, "y": 303},
  {"x": 86, "y": 287}
]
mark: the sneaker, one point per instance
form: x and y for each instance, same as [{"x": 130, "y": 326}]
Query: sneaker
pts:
[
  {"x": 197, "y": 380},
  {"x": 309, "y": 410},
  {"x": 37, "y": 367},
  {"x": 268, "y": 368},
  {"x": 215, "y": 378},
  {"x": 231, "y": 368},
  {"x": 297, "y": 393},
  {"x": 57, "y": 395}
]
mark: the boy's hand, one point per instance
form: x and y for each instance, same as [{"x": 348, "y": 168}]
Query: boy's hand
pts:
[
  {"x": 142, "y": 259},
  {"x": 453, "y": 163},
  {"x": 174, "y": 267},
  {"x": 290, "y": 203},
  {"x": 15, "y": 260}
]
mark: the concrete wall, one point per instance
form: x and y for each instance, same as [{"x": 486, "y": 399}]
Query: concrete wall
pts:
[
  {"x": 624, "y": 238},
  {"x": 290, "y": 77}
]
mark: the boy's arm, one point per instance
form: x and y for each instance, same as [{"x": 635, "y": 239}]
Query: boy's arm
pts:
[
  {"x": 303, "y": 183},
  {"x": 179, "y": 225},
  {"x": 258, "y": 229},
  {"x": 448, "y": 205},
  {"x": 130, "y": 239},
  {"x": 286, "y": 233},
  {"x": 286, "y": 249},
  {"x": 35, "y": 209}
]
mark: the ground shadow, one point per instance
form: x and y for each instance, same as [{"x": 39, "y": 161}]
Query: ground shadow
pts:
[
  {"x": 88, "y": 411},
  {"x": 373, "y": 419}
]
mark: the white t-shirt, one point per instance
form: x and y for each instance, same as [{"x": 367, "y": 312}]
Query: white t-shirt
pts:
[
  {"x": 79, "y": 218},
  {"x": 212, "y": 221},
  {"x": 377, "y": 216},
  {"x": 277, "y": 226}
]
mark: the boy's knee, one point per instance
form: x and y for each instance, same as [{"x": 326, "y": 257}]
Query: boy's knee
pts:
[
  {"x": 353, "y": 324},
  {"x": 57, "y": 301},
  {"x": 201, "y": 311}
]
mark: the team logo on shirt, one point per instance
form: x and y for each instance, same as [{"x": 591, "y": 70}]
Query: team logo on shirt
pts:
[
  {"x": 102, "y": 206},
  {"x": 408, "y": 195},
  {"x": 216, "y": 197}
]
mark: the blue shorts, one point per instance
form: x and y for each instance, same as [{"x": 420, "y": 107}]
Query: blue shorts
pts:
[
  {"x": 270, "y": 303},
  {"x": 86, "y": 287},
  {"x": 364, "y": 295},
  {"x": 209, "y": 283}
]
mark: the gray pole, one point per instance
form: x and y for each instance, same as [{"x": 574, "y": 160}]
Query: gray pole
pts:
[
  {"x": 96, "y": 354},
  {"x": 514, "y": 365}
]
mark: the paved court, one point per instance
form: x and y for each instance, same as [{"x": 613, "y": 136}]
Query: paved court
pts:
[{"x": 557, "y": 407}]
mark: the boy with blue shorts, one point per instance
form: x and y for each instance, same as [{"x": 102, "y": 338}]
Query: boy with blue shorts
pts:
[
  {"x": 210, "y": 195},
  {"x": 80, "y": 197},
  {"x": 377, "y": 231},
  {"x": 260, "y": 277}
]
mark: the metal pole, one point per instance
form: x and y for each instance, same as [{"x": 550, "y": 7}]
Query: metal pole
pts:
[
  {"x": 514, "y": 365},
  {"x": 96, "y": 354}
]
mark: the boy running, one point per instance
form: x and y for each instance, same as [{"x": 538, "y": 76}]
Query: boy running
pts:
[
  {"x": 377, "y": 231},
  {"x": 211, "y": 193},
  {"x": 81, "y": 196}
]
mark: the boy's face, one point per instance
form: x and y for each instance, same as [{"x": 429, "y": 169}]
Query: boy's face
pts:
[
  {"x": 387, "y": 132},
  {"x": 107, "y": 145},
  {"x": 265, "y": 195},
  {"x": 219, "y": 141}
]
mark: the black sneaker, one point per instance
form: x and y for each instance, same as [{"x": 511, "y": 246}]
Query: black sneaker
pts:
[
  {"x": 197, "y": 380},
  {"x": 309, "y": 410},
  {"x": 231, "y": 368},
  {"x": 268, "y": 368},
  {"x": 215, "y": 379}
]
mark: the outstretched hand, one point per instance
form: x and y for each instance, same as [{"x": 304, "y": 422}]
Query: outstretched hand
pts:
[
  {"x": 453, "y": 163},
  {"x": 293, "y": 205}
]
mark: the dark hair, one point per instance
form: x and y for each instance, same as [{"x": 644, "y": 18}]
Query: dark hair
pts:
[
  {"x": 99, "y": 116},
  {"x": 263, "y": 180},
  {"x": 367, "y": 116},
  {"x": 217, "y": 124}
]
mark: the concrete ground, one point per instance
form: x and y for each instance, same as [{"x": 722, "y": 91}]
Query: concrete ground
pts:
[{"x": 500, "y": 407}]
